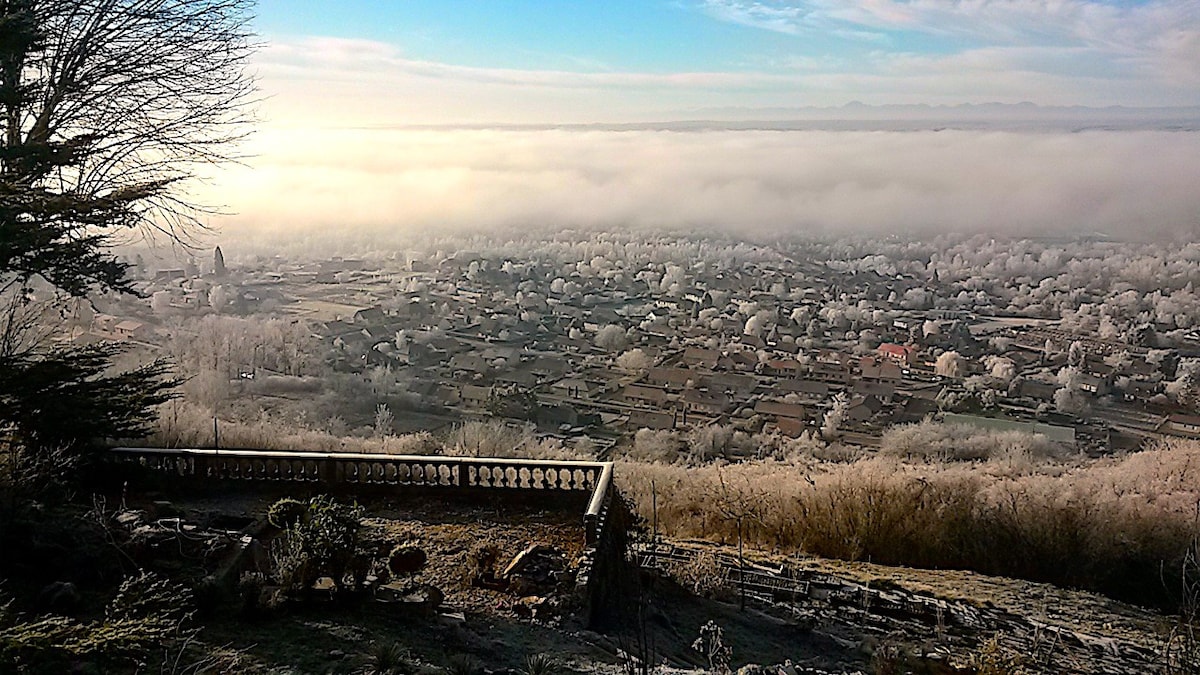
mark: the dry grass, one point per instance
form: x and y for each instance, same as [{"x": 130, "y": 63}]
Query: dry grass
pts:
[
  {"x": 1119, "y": 525},
  {"x": 1115, "y": 525},
  {"x": 184, "y": 425}
]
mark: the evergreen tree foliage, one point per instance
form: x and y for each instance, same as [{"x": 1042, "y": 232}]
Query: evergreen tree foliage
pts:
[{"x": 56, "y": 398}]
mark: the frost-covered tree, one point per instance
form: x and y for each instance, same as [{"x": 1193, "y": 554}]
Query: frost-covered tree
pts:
[
  {"x": 1001, "y": 368},
  {"x": 754, "y": 326},
  {"x": 220, "y": 298},
  {"x": 611, "y": 337},
  {"x": 950, "y": 364},
  {"x": 835, "y": 416},
  {"x": 1070, "y": 397},
  {"x": 633, "y": 360}
]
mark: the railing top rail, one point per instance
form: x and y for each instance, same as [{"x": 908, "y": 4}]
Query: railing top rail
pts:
[
  {"x": 606, "y": 467},
  {"x": 596, "y": 504}
]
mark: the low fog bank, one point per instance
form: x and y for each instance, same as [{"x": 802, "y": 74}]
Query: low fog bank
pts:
[
  {"x": 991, "y": 115},
  {"x": 1126, "y": 184},
  {"x": 1025, "y": 117}
]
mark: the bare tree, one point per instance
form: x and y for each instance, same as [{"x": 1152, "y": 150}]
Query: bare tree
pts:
[
  {"x": 744, "y": 504},
  {"x": 107, "y": 107}
]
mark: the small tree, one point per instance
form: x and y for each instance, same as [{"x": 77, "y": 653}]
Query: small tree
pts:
[
  {"x": 384, "y": 421},
  {"x": 711, "y": 644},
  {"x": 744, "y": 504}
]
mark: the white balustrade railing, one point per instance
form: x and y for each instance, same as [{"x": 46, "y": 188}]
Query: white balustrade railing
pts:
[{"x": 348, "y": 469}]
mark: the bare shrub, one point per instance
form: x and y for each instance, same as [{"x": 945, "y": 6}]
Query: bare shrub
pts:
[
  {"x": 420, "y": 443},
  {"x": 650, "y": 445},
  {"x": 184, "y": 425},
  {"x": 888, "y": 658},
  {"x": 495, "y": 438},
  {"x": 993, "y": 658},
  {"x": 487, "y": 439},
  {"x": 837, "y": 452},
  {"x": 702, "y": 575}
]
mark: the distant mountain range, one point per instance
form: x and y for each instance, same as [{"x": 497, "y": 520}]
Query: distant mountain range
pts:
[
  {"x": 856, "y": 110},
  {"x": 856, "y": 116}
]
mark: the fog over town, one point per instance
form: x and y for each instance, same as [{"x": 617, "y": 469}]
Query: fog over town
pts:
[{"x": 1131, "y": 183}]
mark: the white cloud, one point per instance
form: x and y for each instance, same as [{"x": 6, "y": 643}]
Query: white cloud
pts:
[
  {"x": 790, "y": 19},
  {"x": 1119, "y": 182},
  {"x": 1160, "y": 36}
]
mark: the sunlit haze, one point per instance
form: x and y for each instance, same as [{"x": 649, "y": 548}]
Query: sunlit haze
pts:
[{"x": 342, "y": 92}]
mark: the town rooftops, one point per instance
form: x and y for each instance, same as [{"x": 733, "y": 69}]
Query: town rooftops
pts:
[
  {"x": 701, "y": 357},
  {"x": 898, "y": 353},
  {"x": 647, "y": 394},
  {"x": 781, "y": 409}
]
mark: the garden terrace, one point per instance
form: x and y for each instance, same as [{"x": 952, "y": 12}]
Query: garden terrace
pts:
[{"x": 346, "y": 471}]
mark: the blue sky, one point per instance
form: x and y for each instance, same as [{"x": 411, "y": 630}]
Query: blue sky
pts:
[
  {"x": 650, "y": 35},
  {"x": 572, "y": 61}
]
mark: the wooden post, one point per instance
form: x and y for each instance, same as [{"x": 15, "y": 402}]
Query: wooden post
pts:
[
  {"x": 654, "y": 511},
  {"x": 741, "y": 569}
]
